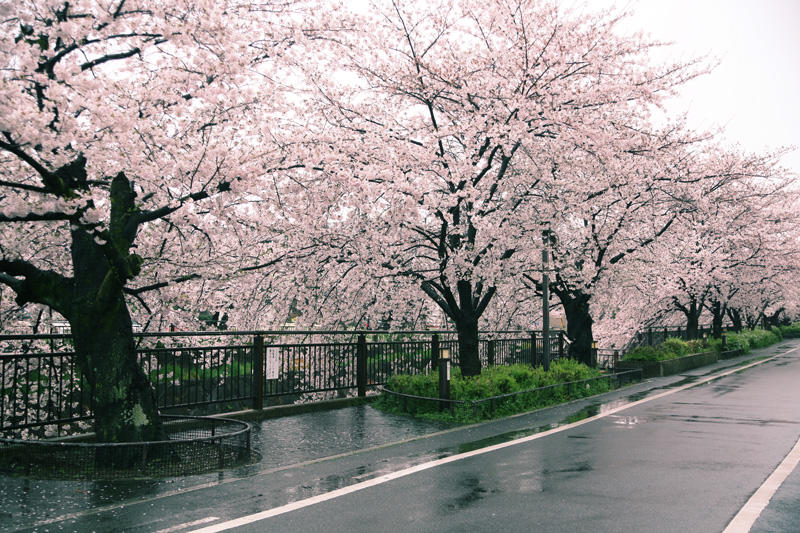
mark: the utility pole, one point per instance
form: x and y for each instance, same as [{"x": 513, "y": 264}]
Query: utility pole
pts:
[{"x": 545, "y": 304}]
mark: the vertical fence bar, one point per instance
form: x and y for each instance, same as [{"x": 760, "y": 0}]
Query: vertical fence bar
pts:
[
  {"x": 434, "y": 351},
  {"x": 2, "y": 393},
  {"x": 361, "y": 365},
  {"x": 258, "y": 372}
]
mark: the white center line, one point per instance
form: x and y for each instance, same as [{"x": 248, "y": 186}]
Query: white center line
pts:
[{"x": 294, "y": 506}]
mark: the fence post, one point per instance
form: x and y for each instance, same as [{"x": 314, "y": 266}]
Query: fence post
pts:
[
  {"x": 361, "y": 365},
  {"x": 434, "y": 351},
  {"x": 534, "y": 355},
  {"x": 490, "y": 352},
  {"x": 258, "y": 372},
  {"x": 724, "y": 339},
  {"x": 666, "y": 333},
  {"x": 560, "y": 344},
  {"x": 444, "y": 382},
  {"x": 650, "y": 336},
  {"x": 616, "y": 359}
]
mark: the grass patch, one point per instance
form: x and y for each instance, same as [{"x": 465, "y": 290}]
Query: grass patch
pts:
[{"x": 494, "y": 381}]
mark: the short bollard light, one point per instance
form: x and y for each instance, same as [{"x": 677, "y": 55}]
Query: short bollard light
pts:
[
  {"x": 705, "y": 340},
  {"x": 724, "y": 339},
  {"x": 444, "y": 378}
]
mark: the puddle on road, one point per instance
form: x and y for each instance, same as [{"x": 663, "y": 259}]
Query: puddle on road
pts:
[{"x": 495, "y": 439}]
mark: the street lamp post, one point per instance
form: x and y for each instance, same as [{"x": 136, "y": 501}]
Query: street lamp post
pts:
[{"x": 545, "y": 305}]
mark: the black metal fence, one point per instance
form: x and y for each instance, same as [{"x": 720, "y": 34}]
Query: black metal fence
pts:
[
  {"x": 193, "y": 445},
  {"x": 43, "y": 391},
  {"x": 657, "y": 334}
]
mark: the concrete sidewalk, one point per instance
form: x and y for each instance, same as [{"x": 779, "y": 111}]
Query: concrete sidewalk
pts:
[{"x": 374, "y": 441}]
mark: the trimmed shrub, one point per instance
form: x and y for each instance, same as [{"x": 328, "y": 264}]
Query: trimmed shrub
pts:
[
  {"x": 669, "y": 349},
  {"x": 493, "y": 381},
  {"x": 751, "y": 339},
  {"x": 696, "y": 346},
  {"x": 645, "y": 353},
  {"x": 675, "y": 346},
  {"x": 790, "y": 332}
]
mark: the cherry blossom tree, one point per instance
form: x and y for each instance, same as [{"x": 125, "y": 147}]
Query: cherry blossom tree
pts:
[
  {"x": 736, "y": 239},
  {"x": 450, "y": 120},
  {"x": 131, "y": 133}
]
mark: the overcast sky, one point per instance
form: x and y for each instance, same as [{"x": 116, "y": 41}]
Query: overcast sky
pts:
[{"x": 754, "y": 92}]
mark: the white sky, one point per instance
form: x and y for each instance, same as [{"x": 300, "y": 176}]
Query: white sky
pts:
[{"x": 754, "y": 93}]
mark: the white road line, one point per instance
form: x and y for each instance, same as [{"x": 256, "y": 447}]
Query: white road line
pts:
[
  {"x": 189, "y": 524},
  {"x": 748, "y": 514},
  {"x": 294, "y": 506}
]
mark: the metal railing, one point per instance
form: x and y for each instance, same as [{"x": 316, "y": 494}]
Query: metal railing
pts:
[
  {"x": 43, "y": 390},
  {"x": 654, "y": 335}
]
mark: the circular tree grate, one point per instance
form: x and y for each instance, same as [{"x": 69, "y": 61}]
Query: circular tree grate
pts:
[{"x": 195, "y": 444}]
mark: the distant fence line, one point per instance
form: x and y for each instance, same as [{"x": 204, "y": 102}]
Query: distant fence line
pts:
[
  {"x": 654, "y": 335},
  {"x": 43, "y": 389}
]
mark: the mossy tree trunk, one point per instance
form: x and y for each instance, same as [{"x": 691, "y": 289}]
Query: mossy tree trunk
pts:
[{"x": 93, "y": 302}]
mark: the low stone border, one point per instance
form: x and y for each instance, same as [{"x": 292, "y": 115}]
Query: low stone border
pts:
[{"x": 196, "y": 444}]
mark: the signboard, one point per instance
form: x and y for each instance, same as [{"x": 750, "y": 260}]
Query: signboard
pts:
[{"x": 272, "y": 355}]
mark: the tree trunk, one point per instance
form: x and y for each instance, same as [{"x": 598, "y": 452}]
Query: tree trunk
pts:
[
  {"x": 468, "y": 355},
  {"x": 93, "y": 301},
  {"x": 579, "y": 324},
  {"x": 736, "y": 319},
  {"x": 124, "y": 403},
  {"x": 718, "y": 314},
  {"x": 464, "y": 312},
  {"x": 774, "y": 320},
  {"x": 692, "y": 314}
]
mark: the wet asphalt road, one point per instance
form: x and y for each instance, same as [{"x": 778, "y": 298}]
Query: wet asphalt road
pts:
[{"x": 686, "y": 461}]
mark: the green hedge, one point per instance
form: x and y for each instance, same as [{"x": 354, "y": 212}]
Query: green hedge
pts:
[
  {"x": 749, "y": 339},
  {"x": 671, "y": 348},
  {"x": 790, "y": 332},
  {"x": 746, "y": 340},
  {"x": 493, "y": 381}
]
